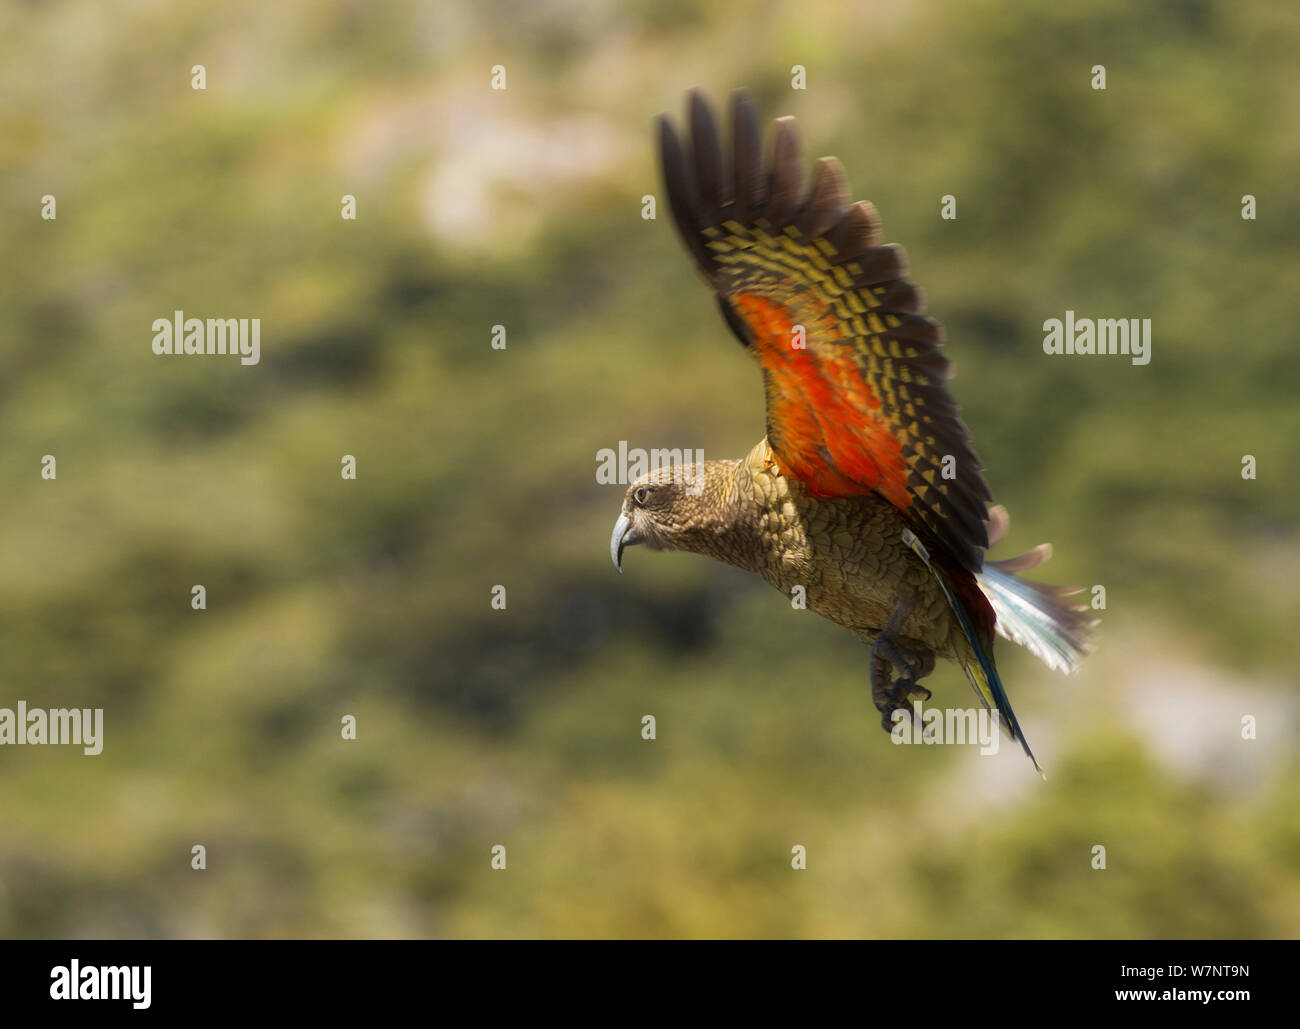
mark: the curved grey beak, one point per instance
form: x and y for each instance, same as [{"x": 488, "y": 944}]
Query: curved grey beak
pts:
[{"x": 624, "y": 535}]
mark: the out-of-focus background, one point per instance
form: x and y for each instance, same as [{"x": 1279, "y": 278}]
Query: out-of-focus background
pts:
[{"x": 476, "y": 468}]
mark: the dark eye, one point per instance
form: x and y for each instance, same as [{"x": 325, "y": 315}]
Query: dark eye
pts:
[{"x": 641, "y": 494}]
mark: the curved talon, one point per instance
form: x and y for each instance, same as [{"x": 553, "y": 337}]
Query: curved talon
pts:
[{"x": 896, "y": 694}]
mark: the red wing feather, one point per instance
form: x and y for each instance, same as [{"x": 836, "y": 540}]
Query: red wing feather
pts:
[{"x": 820, "y": 411}]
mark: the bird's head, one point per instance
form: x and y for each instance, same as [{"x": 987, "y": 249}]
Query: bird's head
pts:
[{"x": 681, "y": 508}]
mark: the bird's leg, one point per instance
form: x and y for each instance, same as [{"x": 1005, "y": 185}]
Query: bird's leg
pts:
[{"x": 888, "y": 649}]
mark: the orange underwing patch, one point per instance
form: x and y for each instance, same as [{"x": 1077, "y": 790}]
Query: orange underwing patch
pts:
[{"x": 822, "y": 427}]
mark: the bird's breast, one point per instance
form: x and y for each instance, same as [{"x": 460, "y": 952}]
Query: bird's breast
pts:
[{"x": 846, "y": 552}]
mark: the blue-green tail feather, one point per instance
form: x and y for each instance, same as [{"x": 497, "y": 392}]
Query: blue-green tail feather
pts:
[{"x": 979, "y": 666}]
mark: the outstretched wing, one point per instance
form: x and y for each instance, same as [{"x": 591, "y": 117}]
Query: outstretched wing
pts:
[{"x": 854, "y": 374}]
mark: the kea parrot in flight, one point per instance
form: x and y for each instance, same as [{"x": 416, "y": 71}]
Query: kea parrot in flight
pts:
[{"x": 865, "y": 490}]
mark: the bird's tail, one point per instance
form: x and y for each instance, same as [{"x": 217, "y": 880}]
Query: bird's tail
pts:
[
  {"x": 1035, "y": 616},
  {"x": 977, "y": 662}
]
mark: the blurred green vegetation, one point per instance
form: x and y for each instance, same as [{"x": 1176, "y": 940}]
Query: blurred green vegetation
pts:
[{"x": 476, "y": 468}]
